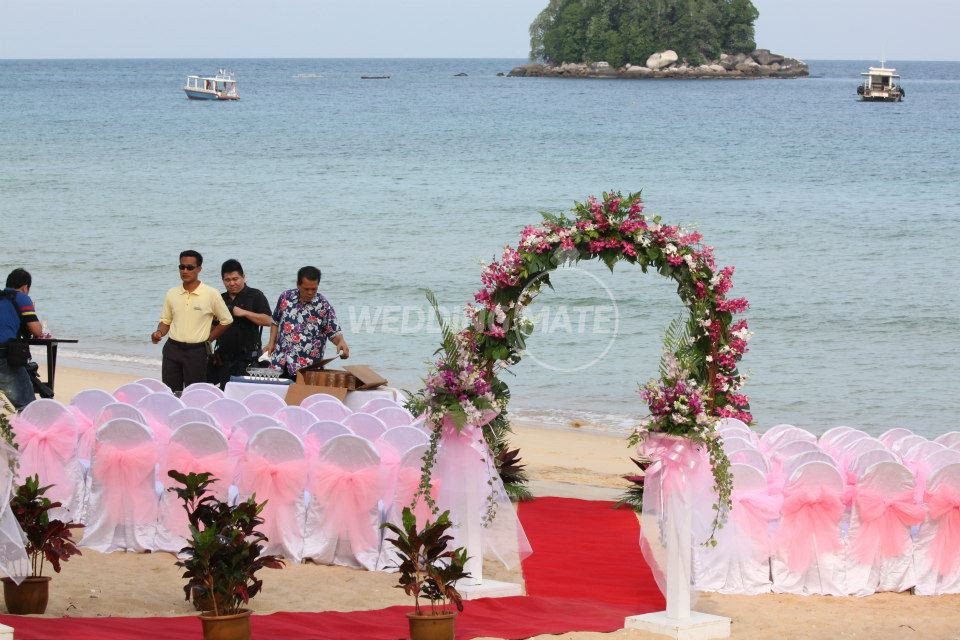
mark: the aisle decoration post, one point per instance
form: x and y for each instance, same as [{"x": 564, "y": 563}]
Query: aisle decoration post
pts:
[{"x": 699, "y": 381}]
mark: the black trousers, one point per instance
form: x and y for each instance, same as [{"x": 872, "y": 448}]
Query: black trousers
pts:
[{"x": 183, "y": 364}]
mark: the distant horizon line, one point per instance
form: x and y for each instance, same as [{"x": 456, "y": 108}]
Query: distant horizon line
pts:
[{"x": 81, "y": 59}]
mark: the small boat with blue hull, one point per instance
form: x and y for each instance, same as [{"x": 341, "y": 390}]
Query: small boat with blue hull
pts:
[{"x": 222, "y": 86}]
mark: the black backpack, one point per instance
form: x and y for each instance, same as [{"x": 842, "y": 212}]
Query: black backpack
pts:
[{"x": 18, "y": 351}]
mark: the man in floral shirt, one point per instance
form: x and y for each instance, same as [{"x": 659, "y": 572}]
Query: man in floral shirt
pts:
[{"x": 303, "y": 321}]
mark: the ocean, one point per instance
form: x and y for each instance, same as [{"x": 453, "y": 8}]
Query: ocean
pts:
[{"x": 842, "y": 218}]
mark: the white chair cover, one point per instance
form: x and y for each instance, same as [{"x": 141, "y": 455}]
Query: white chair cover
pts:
[
  {"x": 196, "y": 447},
  {"x": 852, "y": 451},
  {"x": 89, "y": 403},
  {"x": 46, "y": 434},
  {"x": 937, "y": 550},
  {"x": 227, "y": 412},
  {"x": 365, "y": 426},
  {"x": 831, "y": 434},
  {"x": 86, "y": 406},
  {"x": 275, "y": 469},
  {"x": 156, "y": 409},
  {"x": 750, "y": 457},
  {"x": 770, "y": 435},
  {"x": 732, "y": 423},
  {"x": 790, "y": 436},
  {"x": 904, "y": 444},
  {"x": 950, "y": 440},
  {"x": 131, "y": 393},
  {"x": 808, "y": 551},
  {"x": 311, "y": 400},
  {"x": 264, "y": 402},
  {"x": 941, "y": 459},
  {"x": 740, "y": 562},
  {"x": 795, "y": 462},
  {"x": 245, "y": 429},
  {"x": 154, "y": 385},
  {"x": 123, "y": 506},
  {"x": 879, "y": 553},
  {"x": 792, "y": 448},
  {"x": 892, "y": 435},
  {"x": 118, "y": 410},
  {"x": 843, "y": 442},
  {"x": 401, "y": 439},
  {"x": 296, "y": 419},
  {"x": 733, "y": 443},
  {"x": 326, "y": 410},
  {"x": 212, "y": 388},
  {"x": 376, "y": 404},
  {"x": 921, "y": 451},
  {"x": 189, "y": 414},
  {"x": 199, "y": 397},
  {"x": 321, "y": 432},
  {"x": 343, "y": 520},
  {"x": 394, "y": 417},
  {"x": 869, "y": 458}
]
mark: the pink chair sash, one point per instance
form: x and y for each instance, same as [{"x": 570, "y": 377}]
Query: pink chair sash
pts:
[
  {"x": 920, "y": 470},
  {"x": 885, "y": 522},
  {"x": 776, "y": 477},
  {"x": 944, "y": 506},
  {"x": 161, "y": 432},
  {"x": 809, "y": 524},
  {"x": 120, "y": 472},
  {"x": 46, "y": 452},
  {"x": 349, "y": 496},
  {"x": 183, "y": 460},
  {"x": 753, "y": 511},
  {"x": 86, "y": 434},
  {"x": 408, "y": 483},
  {"x": 280, "y": 484}
]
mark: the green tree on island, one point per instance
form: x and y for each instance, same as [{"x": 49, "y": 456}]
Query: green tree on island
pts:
[{"x": 629, "y": 31}]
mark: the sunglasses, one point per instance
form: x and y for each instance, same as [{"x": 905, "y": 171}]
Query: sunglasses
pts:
[{"x": 187, "y": 267}]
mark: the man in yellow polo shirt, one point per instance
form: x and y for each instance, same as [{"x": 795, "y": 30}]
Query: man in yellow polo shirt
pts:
[{"x": 188, "y": 314}]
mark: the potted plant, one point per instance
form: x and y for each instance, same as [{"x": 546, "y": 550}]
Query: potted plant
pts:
[
  {"x": 47, "y": 539},
  {"x": 429, "y": 570},
  {"x": 222, "y": 556}
]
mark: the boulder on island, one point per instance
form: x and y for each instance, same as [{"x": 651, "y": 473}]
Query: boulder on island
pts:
[{"x": 662, "y": 59}]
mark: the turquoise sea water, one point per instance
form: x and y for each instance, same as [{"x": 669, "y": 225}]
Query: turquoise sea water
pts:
[{"x": 842, "y": 218}]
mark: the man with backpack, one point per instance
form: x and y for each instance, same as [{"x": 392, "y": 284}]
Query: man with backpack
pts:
[{"x": 17, "y": 318}]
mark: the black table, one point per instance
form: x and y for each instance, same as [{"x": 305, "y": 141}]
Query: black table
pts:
[{"x": 51, "y": 344}]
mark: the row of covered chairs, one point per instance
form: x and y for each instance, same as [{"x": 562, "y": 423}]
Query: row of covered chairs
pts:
[{"x": 841, "y": 514}]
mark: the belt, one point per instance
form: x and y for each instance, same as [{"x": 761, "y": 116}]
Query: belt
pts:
[{"x": 187, "y": 345}]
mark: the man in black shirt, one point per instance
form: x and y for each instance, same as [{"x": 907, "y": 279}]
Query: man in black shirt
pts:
[{"x": 240, "y": 344}]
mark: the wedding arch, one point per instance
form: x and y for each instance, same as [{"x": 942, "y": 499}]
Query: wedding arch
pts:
[{"x": 699, "y": 377}]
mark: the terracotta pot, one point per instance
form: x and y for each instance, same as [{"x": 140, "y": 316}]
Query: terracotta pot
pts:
[
  {"x": 430, "y": 627},
  {"x": 30, "y": 596},
  {"x": 232, "y": 627}
]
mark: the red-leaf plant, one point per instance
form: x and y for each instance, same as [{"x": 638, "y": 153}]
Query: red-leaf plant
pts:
[{"x": 50, "y": 540}]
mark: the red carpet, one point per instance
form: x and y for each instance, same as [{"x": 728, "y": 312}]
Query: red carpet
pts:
[{"x": 586, "y": 574}]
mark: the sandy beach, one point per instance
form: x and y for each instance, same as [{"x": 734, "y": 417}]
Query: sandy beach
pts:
[{"x": 560, "y": 462}]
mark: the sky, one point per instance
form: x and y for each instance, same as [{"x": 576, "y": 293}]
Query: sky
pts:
[{"x": 806, "y": 29}]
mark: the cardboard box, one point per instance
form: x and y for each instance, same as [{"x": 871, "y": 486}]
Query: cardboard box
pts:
[{"x": 335, "y": 382}]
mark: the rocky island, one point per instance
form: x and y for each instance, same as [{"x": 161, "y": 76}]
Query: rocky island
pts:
[
  {"x": 760, "y": 63},
  {"x": 651, "y": 39}
]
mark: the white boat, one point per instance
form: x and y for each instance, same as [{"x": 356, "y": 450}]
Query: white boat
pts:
[
  {"x": 880, "y": 84},
  {"x": 222, "y": 86}
]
